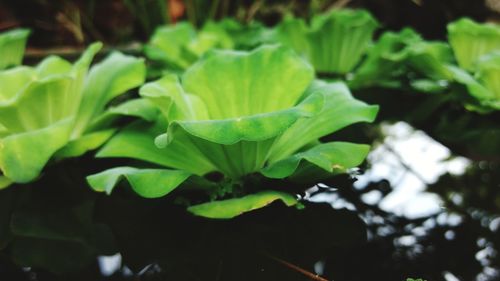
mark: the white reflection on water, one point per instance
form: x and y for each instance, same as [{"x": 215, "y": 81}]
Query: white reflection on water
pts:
[
  {"x": 110, "y": 264},
  {"x": 409, "y": 159}
]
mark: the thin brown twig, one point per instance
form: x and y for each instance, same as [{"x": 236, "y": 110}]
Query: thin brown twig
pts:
[{"x": 309, "y": 274}]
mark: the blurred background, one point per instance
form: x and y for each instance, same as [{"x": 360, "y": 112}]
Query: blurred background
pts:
[{"x": 78, "y": 22}]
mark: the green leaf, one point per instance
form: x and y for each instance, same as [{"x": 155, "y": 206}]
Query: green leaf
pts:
[
  {"x": 236, "y": 84},
  {"x": 14, "y": 80},
  {"x": 385, "y": 59},
  {"x": 180, "y": 45},
  {"x": 292, "y": 32},
  {"x": 474, "y": 87},
  {"x": 106, "y": 80},
  {"x": 23, "y": 155},
  {"x": 169, "y": 97},
  {"x": 338, "y": 40},
  {"x": 227, "y": 209},
  {"x": 429, "y": 86},
  {"x": 137, "y": 141},
  {"x": 148, "y": 183},
  {"x": 37, "y": 106},
  {"x": 340, "y": 110},
  {"x": 53, "y": 65},
  {"x": 471, "y": 40},
  {"x": 140, "y": 108},
  {"x": 431, "y": 58},
  {"x": 331, "y": 157},
  {"x": 36, "y": 98},
  {"x": 257, "y": 127},
  {"x": 4, "y": 182},
  {"x": 333, "y": 43},
  {"x": 167, "y": 43},
  {"x": 12, "y": 45},
  {"x": 245, "y": 36},
  {"x": 85, "y": 143},
  {"x": 488, "y": 74}
]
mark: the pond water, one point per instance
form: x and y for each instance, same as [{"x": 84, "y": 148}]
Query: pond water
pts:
[{"x": 412, "y": 230}]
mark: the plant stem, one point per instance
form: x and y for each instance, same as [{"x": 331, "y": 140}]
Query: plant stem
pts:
[{"x": 309, "y": 274}]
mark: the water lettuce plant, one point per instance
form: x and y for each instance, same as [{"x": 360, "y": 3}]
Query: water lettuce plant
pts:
[
  {"x": 385, "y": 60},
  {"x": 334, "y": 42},
  {"x": 180, "y": 45},
  {"x": 12, "y": 45},
  {"x": 470, "y": 58},
  {"x": 237, "y": 113},
  {"x": 51, "y": 109},
  {"x": 477, "y": 50},
  {"x": 471, "y": 40}
]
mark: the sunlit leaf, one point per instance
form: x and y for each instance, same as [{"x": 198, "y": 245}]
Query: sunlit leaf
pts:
[
  {"x": 385, "y": 60},
  {"x": 106, "y": 80},
  {"x": 23, "y": 155},
  {"x": 334, "y": 42},
  {"x": 137, "y": 141},
  {"x": 12, "y": 45},
  {"x": 331, "y": 157},
  {"x": 340, "y": 110},
  {"x": 180, "y": 45},
  {"x": 86, "y": 143},
  {"x": 471, "y": 40},
  {"x": 227, "y": 209},
  {"x": 149, "y": 183}
]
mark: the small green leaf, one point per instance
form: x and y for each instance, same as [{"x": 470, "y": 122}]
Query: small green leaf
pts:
[
  {"x": 14, "y": 80},
  {"x": 53, "y": 65},
  {"x": 4, "y": 182},
  {"x": 167, "y": 42},
  {"x": 471, "y": 40},
  {"x": 227, "y": 209},
  {"x": 333, "y": 43},
  {"x": 106, "y": 80},
  {"x": 137, "y": 141},
  {"x": 257, "y": 127},
  {"x": 429, "y": 86},
  {"x": 140, "y": 108},
  {"x": 385, "y": 60},
  {"x": 37, "y": 106},
  {"x": 175, "y": 104},
  {"x": 86, "y": 143},
  {"x": 338, "y": 40},
  {"x": 475, "y": 88},
  {"x": 431, "y": 58},
  {"x": 180, "y": 45},
  {"x": 23, "y": 156},
  {"x": 148, "y": 183},
  {"x": 340, "y": 110},
  {"x": 12, "y": 45},
  {"x": 331, "y": 157},
  {"x": 236, "y": 84}
]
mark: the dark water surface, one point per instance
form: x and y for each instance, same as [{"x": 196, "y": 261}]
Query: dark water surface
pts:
[{"x": 413, "y": 211}]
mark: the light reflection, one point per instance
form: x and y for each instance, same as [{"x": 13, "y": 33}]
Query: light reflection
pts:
[{"x": 410, "y": 160}]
